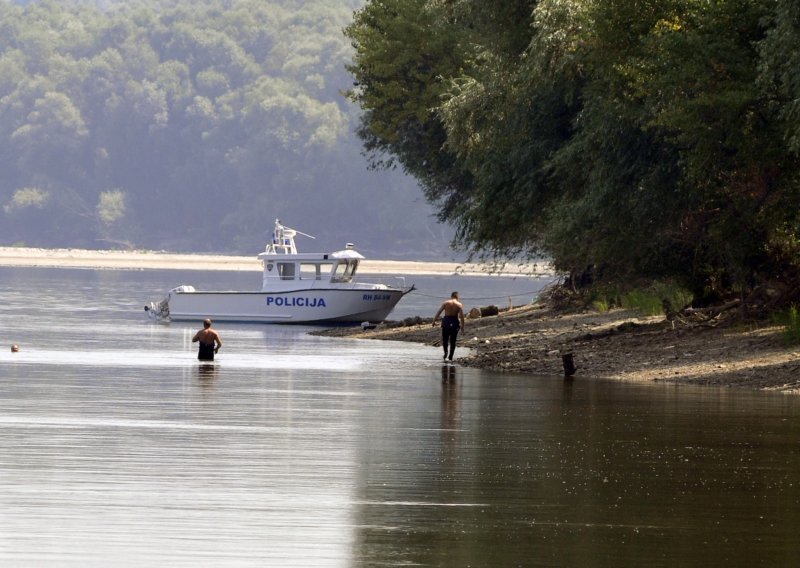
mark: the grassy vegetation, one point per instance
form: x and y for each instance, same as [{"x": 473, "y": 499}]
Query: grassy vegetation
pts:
[
  {"x": 790, "y": 320},
  {"x": 648, "y": 300}
]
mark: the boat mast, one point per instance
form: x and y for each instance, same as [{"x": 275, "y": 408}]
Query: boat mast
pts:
[{"x": 283, "y": 239}]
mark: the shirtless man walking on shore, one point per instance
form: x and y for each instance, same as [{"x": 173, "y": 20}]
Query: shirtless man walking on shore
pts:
[
  {"x": 210, "y": 341},
  {"x": 453, "y": 315}
]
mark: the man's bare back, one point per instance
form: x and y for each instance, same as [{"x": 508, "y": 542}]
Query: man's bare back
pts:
[
  {"x": 208, "y": 337},
  {"x": 210, "y": 341},
  {"x": 451, "y": 308}
]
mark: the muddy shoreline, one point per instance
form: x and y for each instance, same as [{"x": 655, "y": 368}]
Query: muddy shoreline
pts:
[{"x": 618, "y": 344}]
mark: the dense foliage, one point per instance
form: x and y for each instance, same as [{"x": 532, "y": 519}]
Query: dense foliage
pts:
[
  {"x": 638, "y": 141},
  {"x": 190, "y": 125}
]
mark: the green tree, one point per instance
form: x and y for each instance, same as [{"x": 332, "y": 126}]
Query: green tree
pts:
[
  {"x": 646, "y": 140},
  {"x": 405, "y": 54},
  {"x": 191, "y": 114},
  {"x": 780, "y": 68}
]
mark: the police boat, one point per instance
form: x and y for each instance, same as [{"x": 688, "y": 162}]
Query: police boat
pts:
[{"x": 303, "y": 288}]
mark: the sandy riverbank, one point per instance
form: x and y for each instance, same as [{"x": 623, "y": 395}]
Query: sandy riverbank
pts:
[
  {"x": 618, "y": 345},
  {"x": 135, "y": 260}
]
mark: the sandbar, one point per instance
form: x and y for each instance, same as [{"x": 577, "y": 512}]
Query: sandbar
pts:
[{"x": 159, "y": 260}]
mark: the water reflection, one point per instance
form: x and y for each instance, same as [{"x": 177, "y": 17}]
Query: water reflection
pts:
[
  {"x": 567, "y": 391},
  {"x": 118, "y": 448},
  {"x": 206, "y": 374},
  {"x": 450, "y": 403},
  {"x": 450, "y": 416}
]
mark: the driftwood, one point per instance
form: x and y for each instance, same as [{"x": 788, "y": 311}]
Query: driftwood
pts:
[
  {"x": 489, "y": 311},
  {"x": 709, "y": 316},
  {"x": 714, "y": 311}
]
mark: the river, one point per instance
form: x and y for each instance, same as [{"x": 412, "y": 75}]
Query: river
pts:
[{"x": 118, "y": 449}]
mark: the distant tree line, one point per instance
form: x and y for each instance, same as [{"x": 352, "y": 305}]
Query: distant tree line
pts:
[
  {"x": 628, "y": 141},
  {"x": 189, "y": 125}
]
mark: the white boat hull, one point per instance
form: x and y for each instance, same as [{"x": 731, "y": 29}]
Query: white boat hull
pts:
[{"x": 313, "y": 306}]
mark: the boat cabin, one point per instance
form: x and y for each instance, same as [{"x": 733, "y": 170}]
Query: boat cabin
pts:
[
  {"x": 283, "y": 265},
  {"x": 328, "y": 269}
]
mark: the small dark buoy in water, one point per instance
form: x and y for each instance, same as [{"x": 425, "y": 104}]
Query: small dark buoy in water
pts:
[{"x": 14, "y": 348}]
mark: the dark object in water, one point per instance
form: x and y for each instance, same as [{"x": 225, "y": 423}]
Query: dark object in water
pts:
[{"x": 569, "y": 364}]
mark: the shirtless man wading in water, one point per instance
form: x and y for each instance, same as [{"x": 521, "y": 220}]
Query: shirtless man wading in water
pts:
[
  {"x": 210, "y": 341},
  {"x": 453, "y": 315}
]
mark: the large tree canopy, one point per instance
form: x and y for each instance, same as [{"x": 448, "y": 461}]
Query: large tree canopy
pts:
[
  {"x": 190, "y": 125},
  {"x": 647, "y": 140}
]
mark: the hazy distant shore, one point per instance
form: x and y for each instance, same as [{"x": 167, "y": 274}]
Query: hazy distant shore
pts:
[{"x": 135, "y": 260}]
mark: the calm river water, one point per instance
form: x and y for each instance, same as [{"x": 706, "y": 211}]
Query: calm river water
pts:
[{"x": 118, "y": 449}]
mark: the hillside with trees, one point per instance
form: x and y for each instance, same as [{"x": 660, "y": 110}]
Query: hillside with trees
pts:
[
  {"x": 190, "y": 126},
  {"x": 631, "y": 142}
]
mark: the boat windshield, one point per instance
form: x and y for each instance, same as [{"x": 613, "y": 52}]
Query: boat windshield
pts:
[{"x": 345, "y": 270}]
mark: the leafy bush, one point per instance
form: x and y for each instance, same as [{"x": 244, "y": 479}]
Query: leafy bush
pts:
[{"x": 644, "y": 302}]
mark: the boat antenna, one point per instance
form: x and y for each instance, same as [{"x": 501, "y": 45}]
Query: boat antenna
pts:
[
  {"x": 281, "y": 226},
  {"x": 304, "y": 234}
]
